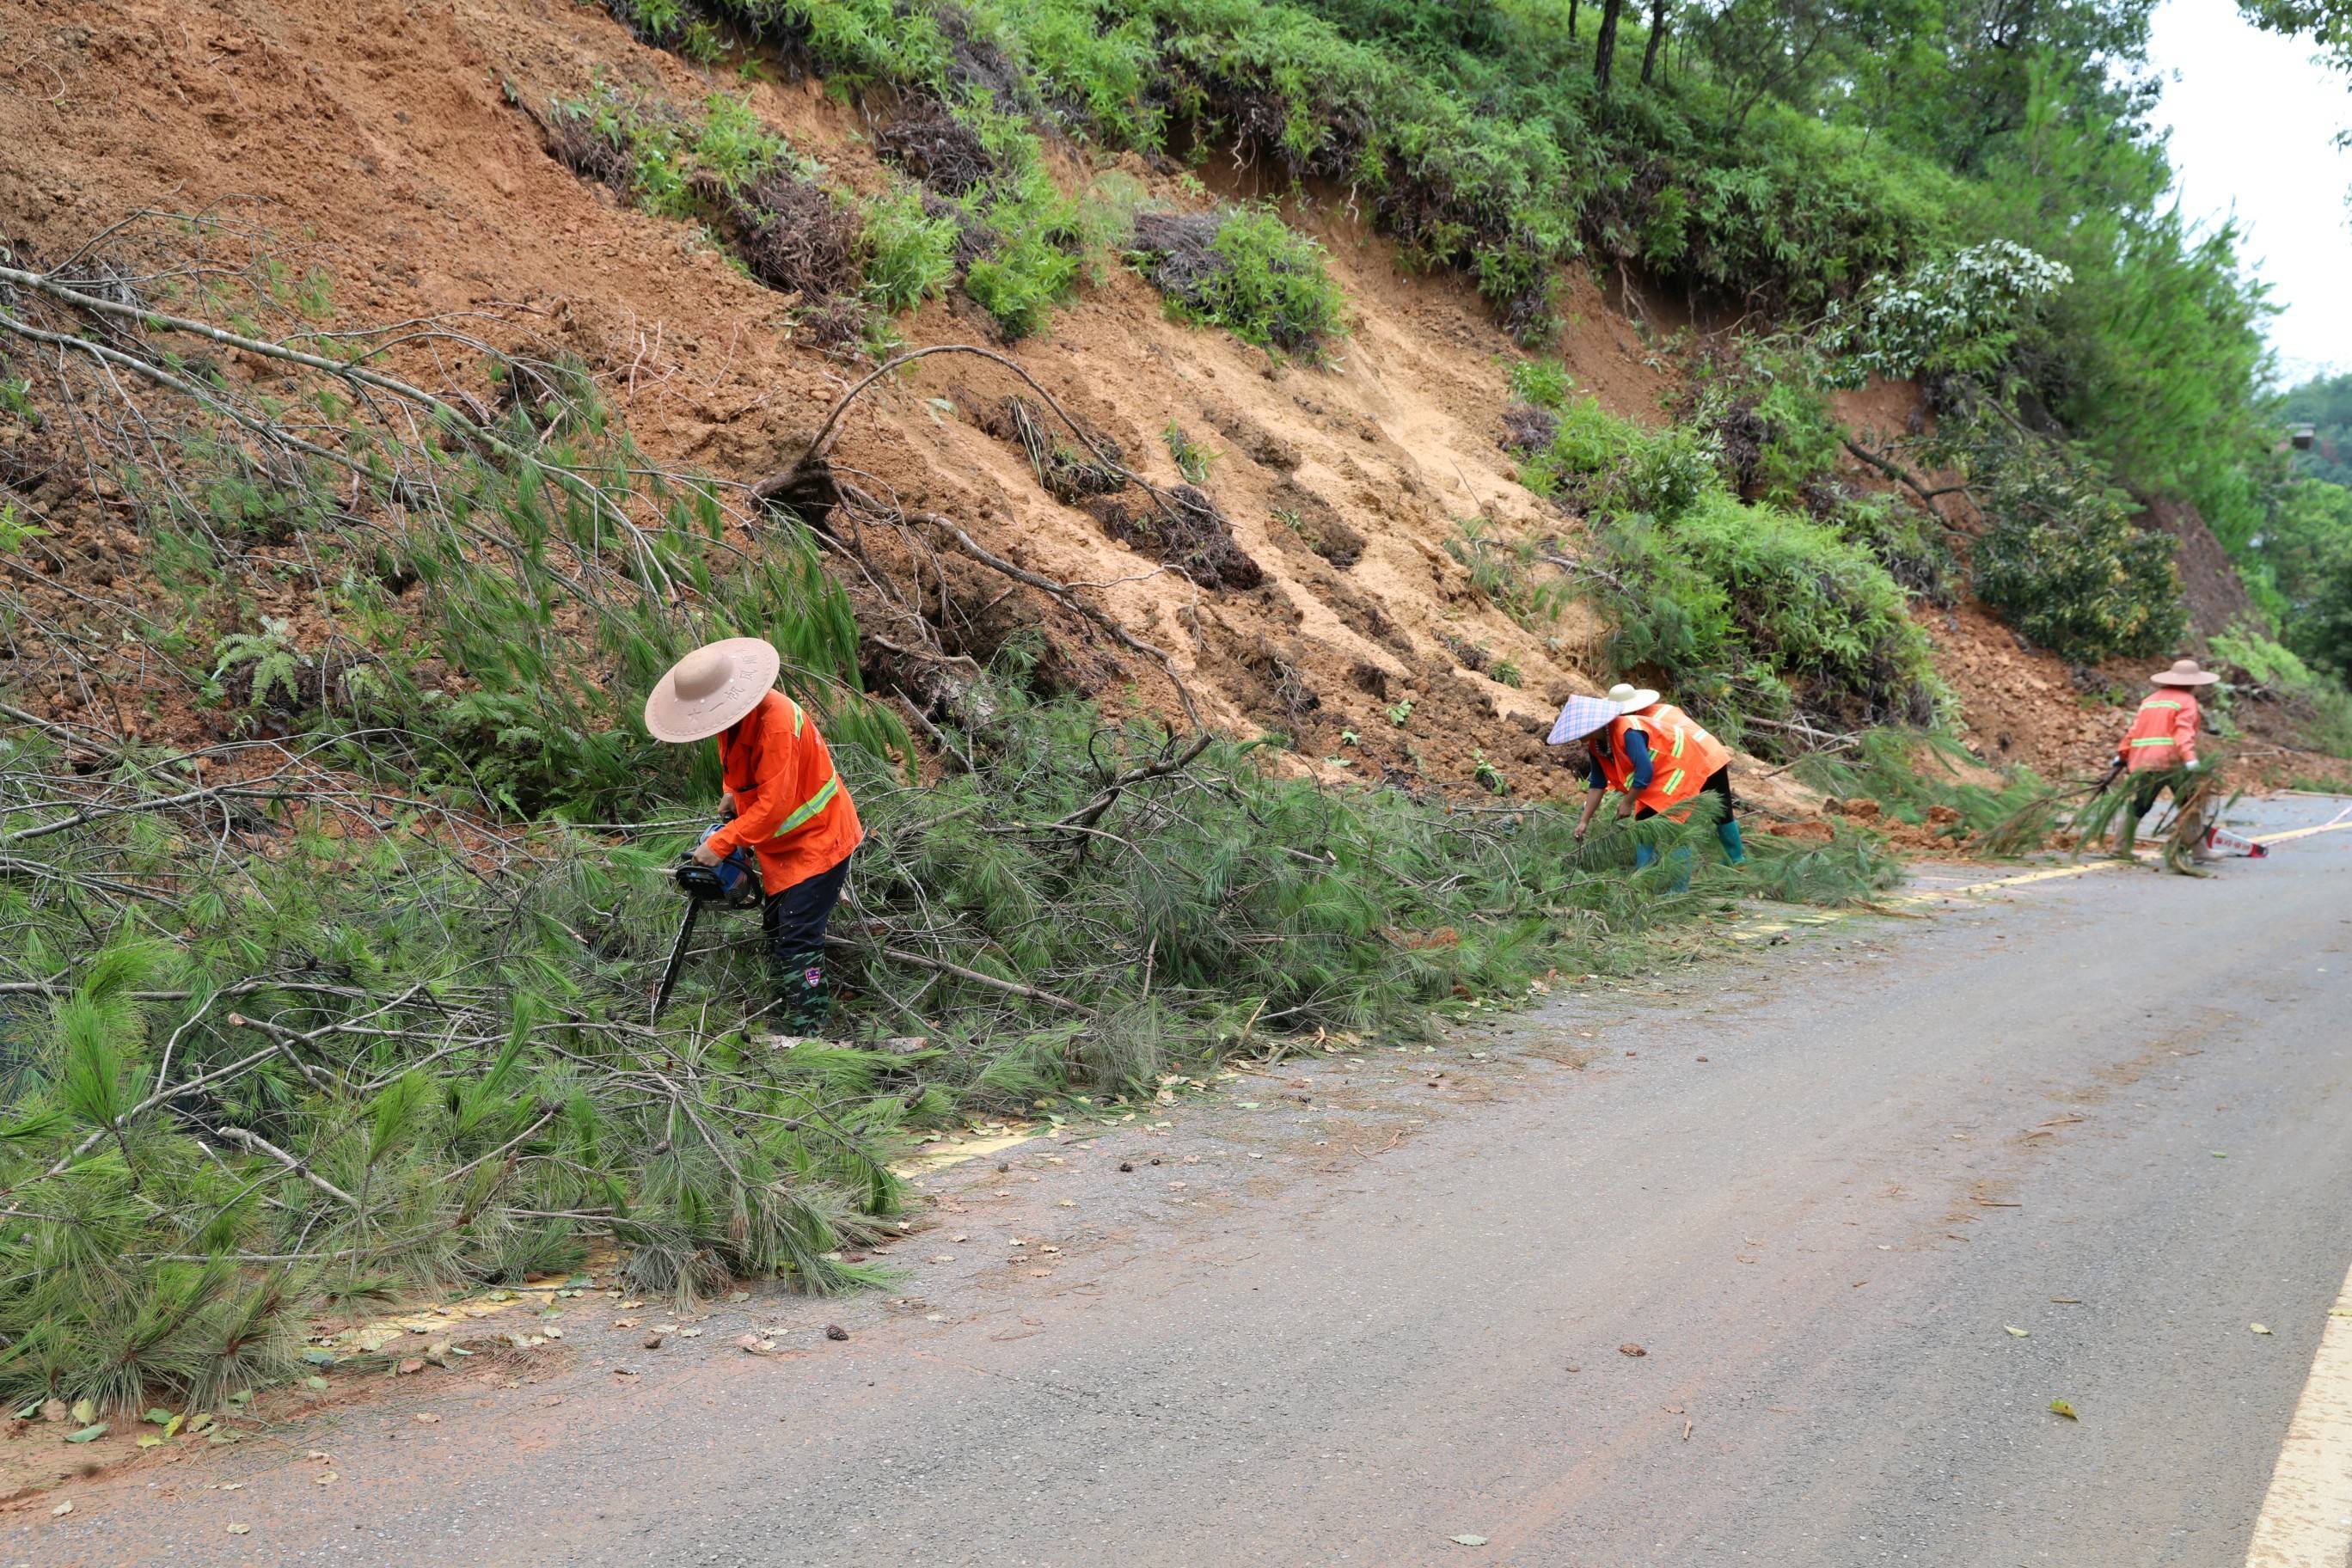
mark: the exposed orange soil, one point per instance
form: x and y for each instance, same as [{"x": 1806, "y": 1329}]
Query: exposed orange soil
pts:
[{"x": 382, "y": 143}]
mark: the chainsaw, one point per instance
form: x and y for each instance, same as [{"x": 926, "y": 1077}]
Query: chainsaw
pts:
[{"x": 733, "y": 883}]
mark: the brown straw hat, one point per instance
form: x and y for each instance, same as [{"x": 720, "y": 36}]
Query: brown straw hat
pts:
[
  {"x": 2184, "y": 672},
  {"x": 710, "y": 688}
]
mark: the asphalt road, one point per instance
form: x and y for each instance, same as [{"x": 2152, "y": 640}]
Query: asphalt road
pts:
[{"x": 2106, "y": 1110}]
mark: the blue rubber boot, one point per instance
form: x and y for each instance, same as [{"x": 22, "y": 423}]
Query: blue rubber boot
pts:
[
  {"x": 1645, "y": 856},
  {"x": 1729, "y": 832},
  {"x": 1682, "y": 869}
]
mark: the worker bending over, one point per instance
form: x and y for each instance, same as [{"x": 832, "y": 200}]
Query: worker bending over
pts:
[
  {"x": 1660, "y": 759},
  {"x": 782, "y": 800},
  {"x": 2162, "y": 737}
]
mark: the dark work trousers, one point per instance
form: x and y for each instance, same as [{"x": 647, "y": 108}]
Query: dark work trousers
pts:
[
  {"x": 794, "y": 920},
  {"x": 1717, "y": 783}
]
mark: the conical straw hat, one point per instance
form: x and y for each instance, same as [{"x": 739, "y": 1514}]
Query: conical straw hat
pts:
[{"x": 710, "y": 688}]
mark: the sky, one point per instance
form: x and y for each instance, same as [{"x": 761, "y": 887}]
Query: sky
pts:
[{"x": 2253, "y": 121}]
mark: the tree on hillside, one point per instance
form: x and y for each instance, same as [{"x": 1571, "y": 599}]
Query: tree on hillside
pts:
[
  {"x": 1657, "y": 35},
  {"x": 1604, "y": 47},
  {"x": 2325, "y": 405}
]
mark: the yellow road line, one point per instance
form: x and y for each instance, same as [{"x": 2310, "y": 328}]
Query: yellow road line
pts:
[
  {"x": 2048, "y": 874},
  {"x": 2337, "y": 826},
  {"x": 2306, "y": 1518},
  {"x": 1929, "y": 896}
]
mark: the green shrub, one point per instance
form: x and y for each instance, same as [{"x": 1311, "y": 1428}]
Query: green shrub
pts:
[
  {"x": 1905, "y": 539},
  {"x": 1752, "y": 609},
  {"x": 906, "y": 255},
  {"x": 732, "y": 150},
  {"x": 2319, "y": 705},
  {"x": 2062, "y": 560},
  {"x": 1193, "y": 461},
  {"x": 1243, "y": 268},
  {"x": 1509, "y": 574},
  {"x": 1034, "y": 263},
  {"x": 1609, "y": 465},
  {"x": 1800, "y": 448},
  {"x": 1542, "y": 382}
]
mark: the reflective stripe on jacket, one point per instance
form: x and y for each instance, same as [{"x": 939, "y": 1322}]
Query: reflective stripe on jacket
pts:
[
  {"x": 791, "y": 807},
  {"x": 2164, "y": 731},
  {"x": 1683, "y": 755}
]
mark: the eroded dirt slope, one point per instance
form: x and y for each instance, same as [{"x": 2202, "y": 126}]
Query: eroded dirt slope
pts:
[
  {"x": 384, "y": 145},
  {"x": 391, "y": 146}
]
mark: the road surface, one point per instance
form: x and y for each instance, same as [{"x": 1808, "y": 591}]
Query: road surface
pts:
[{"x": 1867, "y": 1202}]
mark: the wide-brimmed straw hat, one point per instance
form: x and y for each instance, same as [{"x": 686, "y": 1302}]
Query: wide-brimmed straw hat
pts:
[
  {"x": 1631, "y": 700},
  {"x": 2184, "y": 672},
  {"x": 1579, "y": 717},
  {"x": 710, "y": 688}
]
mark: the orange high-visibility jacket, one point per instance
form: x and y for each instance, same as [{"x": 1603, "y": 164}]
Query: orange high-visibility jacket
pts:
[
  {"x": 791, "y": 807},
  {"x": 2163, "y": 732},
  {"x": 1683, "y": 755}
]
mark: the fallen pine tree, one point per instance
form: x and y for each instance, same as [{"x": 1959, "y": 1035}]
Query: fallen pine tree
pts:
[{"x": 351, "y": 1003}]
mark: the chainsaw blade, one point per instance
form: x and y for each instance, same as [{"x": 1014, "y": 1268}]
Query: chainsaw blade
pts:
[{"x": 676, "y": 956}]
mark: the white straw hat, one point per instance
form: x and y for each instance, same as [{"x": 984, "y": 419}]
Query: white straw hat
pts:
[
  {"x": 1630, "y": 700},
  {"x": 710, "y": 688}
]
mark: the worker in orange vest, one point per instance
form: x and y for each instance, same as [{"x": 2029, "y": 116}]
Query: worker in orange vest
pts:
[
  {"x": 782, "y": 799},
  {"x": 2162, "y": 737},
  {"x": 1660, "y": 759}
]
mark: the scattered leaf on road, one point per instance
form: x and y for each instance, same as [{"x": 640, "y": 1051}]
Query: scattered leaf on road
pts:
[
  {"x": 2059, "y": 1407},
  {"x": 408, "y": 1366},
  {"x": 2259, "y": 1328},
  {"x": 836, "y": 1332},
  {"x": 84, "y": 1412},
  {"x": 151, "y": 1441},
  {"x": 240, "y": 1530},
  {"x": 1629, "y": 1348},
  {"x": 427, "y": 1418},
  {"x": 2013, "y": 1328},
  {"x": 652, "y": 1342},
  {"x": 63, "y": 1508},
  {"x": 1468, "y": 1540},
  {"x": 2219, "y": 1155},
  {"x": 90, "y": 1433}
]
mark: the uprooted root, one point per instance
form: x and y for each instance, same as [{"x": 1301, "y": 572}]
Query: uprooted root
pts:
[
  {"x": 1066, "y": 475},
  {"x": 942, "y": 153},
  {"x": 795, "y": 237},
  {"x": 1196, "y": 539}
]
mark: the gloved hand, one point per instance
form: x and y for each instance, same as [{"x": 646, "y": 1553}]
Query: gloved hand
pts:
[{"x": 2191, "y": 765}]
